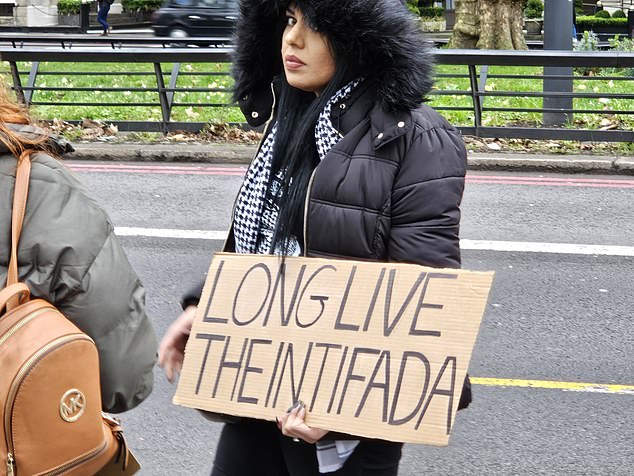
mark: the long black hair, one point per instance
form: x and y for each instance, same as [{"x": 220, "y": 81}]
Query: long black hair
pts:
[{"x": 294, "y": 152}]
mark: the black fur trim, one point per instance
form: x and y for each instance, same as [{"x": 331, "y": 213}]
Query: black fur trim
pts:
[{"x": 381, "y": 36}]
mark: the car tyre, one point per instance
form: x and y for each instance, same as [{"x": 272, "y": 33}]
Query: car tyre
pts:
[{"x": 178, "y": 32}]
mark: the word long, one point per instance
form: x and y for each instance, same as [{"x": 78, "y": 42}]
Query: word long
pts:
[{"x": 294, "y": 303}]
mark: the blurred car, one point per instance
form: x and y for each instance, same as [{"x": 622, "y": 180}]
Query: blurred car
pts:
[{"x": 196, "y": 18}]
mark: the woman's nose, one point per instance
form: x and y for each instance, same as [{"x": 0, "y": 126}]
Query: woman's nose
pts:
[{"x": 293, "y": 36}]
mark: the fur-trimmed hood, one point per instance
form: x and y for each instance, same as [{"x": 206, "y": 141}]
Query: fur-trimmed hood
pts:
[{"x": 382, "y": 36}]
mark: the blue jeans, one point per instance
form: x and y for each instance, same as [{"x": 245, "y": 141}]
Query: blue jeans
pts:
[{"x": 102, "y": 15}]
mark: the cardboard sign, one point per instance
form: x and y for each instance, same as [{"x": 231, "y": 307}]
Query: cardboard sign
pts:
[{"x": 377, "y": 350}]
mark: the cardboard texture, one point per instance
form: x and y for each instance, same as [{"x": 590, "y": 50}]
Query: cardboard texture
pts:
[{"x": 378, "y": 350}]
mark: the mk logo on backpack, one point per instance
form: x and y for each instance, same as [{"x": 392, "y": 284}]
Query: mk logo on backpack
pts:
[{"x": 72, "y": 405}]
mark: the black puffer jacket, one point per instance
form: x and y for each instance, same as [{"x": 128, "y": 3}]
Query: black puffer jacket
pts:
[{"x": 391, "y": 188}]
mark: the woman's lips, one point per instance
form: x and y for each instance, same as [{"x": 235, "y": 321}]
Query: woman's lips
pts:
[{"x": 293, "y": 62}]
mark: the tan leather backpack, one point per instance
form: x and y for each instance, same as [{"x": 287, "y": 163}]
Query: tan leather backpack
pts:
[{"x": 50, "y": 400}]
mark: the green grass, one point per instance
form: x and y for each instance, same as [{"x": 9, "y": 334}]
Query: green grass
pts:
[
  {"x": 132, "y": 80},
  {"x": 582, "y": 84}
]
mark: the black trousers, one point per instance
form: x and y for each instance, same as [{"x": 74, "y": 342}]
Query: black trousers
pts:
[{"x": 258, "y": 448}]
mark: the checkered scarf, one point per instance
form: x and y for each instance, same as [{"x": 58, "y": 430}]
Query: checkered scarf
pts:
[{"x": 256, "y": 213}]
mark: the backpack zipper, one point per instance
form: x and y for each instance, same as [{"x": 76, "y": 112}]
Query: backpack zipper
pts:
[
  {"x": 15, "y": 386},
  {"x": 3, "y": 338},
  {"x": 10, "y": 465},
  {"x": 21, "y": 323},
  {"x": 78, "y": 461}
]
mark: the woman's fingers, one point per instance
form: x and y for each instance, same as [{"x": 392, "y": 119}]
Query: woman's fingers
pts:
[
  {"x": 293, "y": 425},
  {"x": 165, "y": 347},
  {"x": 172, "y": 347},
  {"x": 172, "y": 364}
]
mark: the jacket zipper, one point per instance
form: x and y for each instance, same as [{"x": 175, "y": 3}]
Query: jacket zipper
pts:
[
  {"x": 306, "y": 202},
  {"x": 266, "y": 128},
  {"x": 17, "y": 381}
]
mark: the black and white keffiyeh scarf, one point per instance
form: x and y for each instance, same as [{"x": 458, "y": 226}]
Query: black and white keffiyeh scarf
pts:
[{"x": 255, "y": 215}]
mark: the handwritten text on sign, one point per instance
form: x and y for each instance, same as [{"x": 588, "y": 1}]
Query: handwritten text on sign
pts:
[{"x": 373, "y": 349}]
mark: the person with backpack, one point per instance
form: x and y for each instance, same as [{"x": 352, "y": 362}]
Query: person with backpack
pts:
[
  {"x": 103, "y": 8},
  {"x": 352, "y": 166},
  {"x": 68, "y": 255}
]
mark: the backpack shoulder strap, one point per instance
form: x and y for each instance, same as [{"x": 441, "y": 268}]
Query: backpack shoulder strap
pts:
[
  {"x": 19, "y": 291},
  {"x": 20, "y": 195}
]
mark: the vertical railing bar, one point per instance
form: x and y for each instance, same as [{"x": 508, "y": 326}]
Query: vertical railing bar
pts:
[
  {"x": 477, "y": 110},
  {"x": 173, "y": 79},
  {"x": 484, "y": 72},
  {"x": 160, "y": 84},
  {"x": 31, "y": 82},
  {"x": 17, "y": 82}
]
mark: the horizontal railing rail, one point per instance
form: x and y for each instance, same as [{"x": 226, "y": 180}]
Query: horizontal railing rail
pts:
[
  {"x": 476, "y": 87},
  {"x": 21, "y": 40}
]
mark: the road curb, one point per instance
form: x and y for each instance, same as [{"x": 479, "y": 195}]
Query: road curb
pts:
[
  {"x": 625, "y": 165},
  {"x": 589, "y": 165},
  {"x": 134, "y": 152},
  {"x": 242, "y": 154}
]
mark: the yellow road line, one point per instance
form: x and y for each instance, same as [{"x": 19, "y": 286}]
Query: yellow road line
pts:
[{"x": 566, "y": 386}]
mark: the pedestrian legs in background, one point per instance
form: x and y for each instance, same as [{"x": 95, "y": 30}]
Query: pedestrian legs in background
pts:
[{"x": 102, "y": 16}]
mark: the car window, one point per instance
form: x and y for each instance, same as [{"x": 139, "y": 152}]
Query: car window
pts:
[
  {"x": 182, "y": 3},
  {"x": 213, "y": 3}
]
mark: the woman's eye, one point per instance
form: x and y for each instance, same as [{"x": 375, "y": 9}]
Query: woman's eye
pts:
[{"x": 290, "y": 21}]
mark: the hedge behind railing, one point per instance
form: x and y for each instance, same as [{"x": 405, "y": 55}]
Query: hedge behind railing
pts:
[
  {"x": 596, "y": 22},
  {"x": 68, "y": 7},
  {"x": 431, "y": 12},
  {"x": 141, "y": 5}
]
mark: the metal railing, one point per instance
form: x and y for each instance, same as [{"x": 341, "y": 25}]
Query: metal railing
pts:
[
  {"x": 621, "y": 4},
  {"x": 472, "y": 92},
  {"x": 68, "y": 41}
]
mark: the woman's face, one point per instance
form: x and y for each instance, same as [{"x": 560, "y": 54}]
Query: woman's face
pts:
[{"x": 308, "y": 61}]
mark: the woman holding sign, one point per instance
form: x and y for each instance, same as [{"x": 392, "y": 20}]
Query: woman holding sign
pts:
[{"x": 351, "y": 166}]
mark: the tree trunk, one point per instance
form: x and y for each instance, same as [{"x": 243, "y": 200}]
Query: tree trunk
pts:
[
  {"x": 489, "y": 24},
  {"x": 466, "y": 29}
]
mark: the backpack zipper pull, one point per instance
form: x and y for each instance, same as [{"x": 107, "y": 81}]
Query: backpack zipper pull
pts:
[{"x": 10, "y": 465}]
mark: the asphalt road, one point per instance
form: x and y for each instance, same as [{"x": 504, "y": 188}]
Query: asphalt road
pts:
[{"x": 554, "y": 319}]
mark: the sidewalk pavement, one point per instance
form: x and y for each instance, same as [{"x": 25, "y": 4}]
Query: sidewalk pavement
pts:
[{"x": 242, "y": 154}]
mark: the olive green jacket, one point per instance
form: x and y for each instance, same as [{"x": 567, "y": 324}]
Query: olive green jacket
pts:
[{"x": 69, "y": 255}]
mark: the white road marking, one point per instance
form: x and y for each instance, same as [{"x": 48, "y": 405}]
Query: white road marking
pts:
[
  {"x": 484, "y": 245},
  {"x": 170, "y": 233},
  {"x": 560, "y": 248}
]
